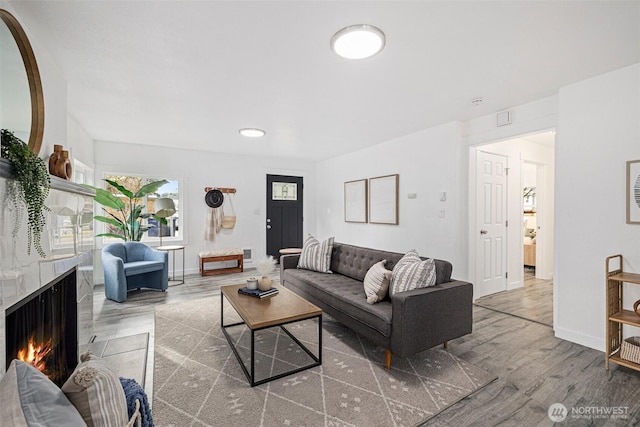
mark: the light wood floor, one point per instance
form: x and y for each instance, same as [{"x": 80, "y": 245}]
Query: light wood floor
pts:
[
  {"x": 533, "y": 301},
  {"x": 534, "y": 368}
]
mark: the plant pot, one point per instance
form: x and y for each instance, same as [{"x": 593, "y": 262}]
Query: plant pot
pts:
[{"x": 264, "y": 283}]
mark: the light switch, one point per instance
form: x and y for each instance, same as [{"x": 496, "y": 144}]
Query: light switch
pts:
[{"x": 441, "y": 213}]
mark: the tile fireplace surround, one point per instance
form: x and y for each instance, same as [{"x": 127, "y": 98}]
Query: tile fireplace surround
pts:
[{"x": 67, "y": 240}]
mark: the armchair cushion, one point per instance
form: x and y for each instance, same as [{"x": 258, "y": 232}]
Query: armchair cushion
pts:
[{"x": 140, "y": 267}]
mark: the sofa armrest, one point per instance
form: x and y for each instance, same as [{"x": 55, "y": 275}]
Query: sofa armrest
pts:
[
  {"x": 289, "y": 261},
  {"x": 423, "y": 318},
  {"x": 286, "y": 262}
]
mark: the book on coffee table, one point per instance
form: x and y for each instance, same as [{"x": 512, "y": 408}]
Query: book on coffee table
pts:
[{"x": 257, "y": 293}]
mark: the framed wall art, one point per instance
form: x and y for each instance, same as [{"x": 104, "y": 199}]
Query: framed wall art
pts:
[
  {"x": 633, "y": 192},
  {"x": 355, "y": 201},
  {"x": 383, "y": 200}
]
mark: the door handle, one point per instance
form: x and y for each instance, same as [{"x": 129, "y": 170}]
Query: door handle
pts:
[
  {"x": 268, "y": 227},
  {"x": 483, "y": 231}
]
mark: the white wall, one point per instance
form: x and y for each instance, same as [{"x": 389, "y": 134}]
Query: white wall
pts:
[
  {"x": 599, "y": 131},
  {"x": 428, "y": 162},
  {"x": 204, "y": 169}
]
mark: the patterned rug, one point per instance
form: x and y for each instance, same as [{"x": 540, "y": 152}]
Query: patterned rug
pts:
[{"x": 198, "y": 380}]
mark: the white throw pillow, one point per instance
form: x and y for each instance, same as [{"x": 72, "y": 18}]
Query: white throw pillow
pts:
[
  {"x": 376, "y": 282},
  {"x": 412, "y": 273},
  {"x": 316, "y": 255}
]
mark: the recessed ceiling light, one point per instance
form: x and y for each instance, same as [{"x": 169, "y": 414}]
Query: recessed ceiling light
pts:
[
  {"x": 358, "y": 41},
  {"x": 252, "y": 132}
]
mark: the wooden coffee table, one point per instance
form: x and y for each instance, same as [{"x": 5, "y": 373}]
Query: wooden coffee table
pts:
[{"x": 274, "y": 311}]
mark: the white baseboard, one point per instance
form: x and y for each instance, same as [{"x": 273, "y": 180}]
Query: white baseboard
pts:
[{"x": 596, "y": 343}]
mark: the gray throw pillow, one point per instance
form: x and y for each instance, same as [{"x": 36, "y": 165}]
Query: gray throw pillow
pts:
[
  {"x": 29, "y": 398},
  {"x": 316, "y": 255},
  {"x": 411, "y": 272}
]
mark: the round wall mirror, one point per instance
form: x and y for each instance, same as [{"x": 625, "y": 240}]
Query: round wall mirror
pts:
[{"x": 21, "y": 99}]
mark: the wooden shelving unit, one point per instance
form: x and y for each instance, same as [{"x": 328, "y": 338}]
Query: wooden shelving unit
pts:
[{"x": 616, "y": 315}]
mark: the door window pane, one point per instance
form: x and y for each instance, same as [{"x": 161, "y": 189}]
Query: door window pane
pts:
[{"x": 284, "y": 191}]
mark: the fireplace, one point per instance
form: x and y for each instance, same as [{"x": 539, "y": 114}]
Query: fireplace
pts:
[{"x": 42, "y": 329}]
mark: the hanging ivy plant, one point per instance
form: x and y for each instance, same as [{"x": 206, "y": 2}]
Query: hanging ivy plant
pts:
[{"x": 33, "y": 185}]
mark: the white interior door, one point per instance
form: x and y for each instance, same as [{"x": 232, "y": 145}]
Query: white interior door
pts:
[{"x": 491, "y": 223}]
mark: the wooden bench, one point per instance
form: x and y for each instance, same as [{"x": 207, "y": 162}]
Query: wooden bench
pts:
[{"x": 221, "y": 255}]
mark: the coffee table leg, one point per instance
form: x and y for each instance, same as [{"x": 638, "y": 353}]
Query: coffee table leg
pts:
[
  {"x": 320, "y": 339},
  {"x": 253, "y": 340}
]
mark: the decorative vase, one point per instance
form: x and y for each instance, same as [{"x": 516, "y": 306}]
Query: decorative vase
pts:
[
  {"x": 57, "y": 151},
  {"x": 63, "y": 167},
  {"x": 264, "y": 283}
]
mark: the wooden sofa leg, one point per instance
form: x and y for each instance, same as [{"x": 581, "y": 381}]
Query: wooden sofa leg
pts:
[
  {"x": 445, "y": 344},
  {"x": 387, "y": 359}
]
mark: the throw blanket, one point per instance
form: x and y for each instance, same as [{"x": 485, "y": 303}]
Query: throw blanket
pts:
[
  {"x": 214, "y": 223},
  {"x": 133, "y": 391}
]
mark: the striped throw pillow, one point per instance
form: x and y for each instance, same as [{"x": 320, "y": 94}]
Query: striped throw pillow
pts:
[
  {"x": 316, "y": 255},
  {"x": 411, "y": 272},
  {"x": 376, "y": 282},
  {"x": 96, "y": 392}
]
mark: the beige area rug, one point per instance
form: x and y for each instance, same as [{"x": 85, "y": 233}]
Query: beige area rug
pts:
[{"x": 198, "y": 380}]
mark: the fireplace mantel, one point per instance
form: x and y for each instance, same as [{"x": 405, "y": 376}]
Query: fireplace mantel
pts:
[
  {"x": 6, "y": 171},
  {"x": 68, "y": 240}
]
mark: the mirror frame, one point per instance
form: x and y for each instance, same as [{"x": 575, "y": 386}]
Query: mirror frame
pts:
[{"x": 33, "y": 76}]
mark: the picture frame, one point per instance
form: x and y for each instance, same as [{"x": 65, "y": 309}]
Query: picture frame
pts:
[
  {"x": 633, "y": 192},
  {"x": 355, "y": 201},
  {"x": 383, "y": 200}
]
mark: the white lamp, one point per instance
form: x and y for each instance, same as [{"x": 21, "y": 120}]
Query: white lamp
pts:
[{"x": 164, "y": 208}]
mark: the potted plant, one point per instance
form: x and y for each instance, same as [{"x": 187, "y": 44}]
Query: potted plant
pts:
[
  {"x": 265, "y": 267},
  {"x": 31, "y": 187},
  {"x": 125, "y": 217}
]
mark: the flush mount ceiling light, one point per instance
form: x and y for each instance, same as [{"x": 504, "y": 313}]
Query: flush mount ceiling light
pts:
[
  {"x": 358, "y": 41},
  {"x": 252, "y": 132}
]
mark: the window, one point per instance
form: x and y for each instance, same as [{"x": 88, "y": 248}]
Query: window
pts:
[
  {"x": 170, "y": 231},
  {"x": 284, "y": 191}
]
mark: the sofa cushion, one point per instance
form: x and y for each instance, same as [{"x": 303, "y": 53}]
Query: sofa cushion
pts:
[
  {"x": 411, "y": 272},
  {"x": 343, "y": 294},
  {"x": 316, "y": 256},
  {"x": 96, "y": 392},
  {"x": 141, "y": 267},
  {"x": 376, "y": 282},
  {"x": 29, "y": 398}
]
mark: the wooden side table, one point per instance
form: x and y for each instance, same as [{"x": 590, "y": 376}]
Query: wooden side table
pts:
[
  {"x": 290, "y": 251},
  {"x": 173, "y": 249}
]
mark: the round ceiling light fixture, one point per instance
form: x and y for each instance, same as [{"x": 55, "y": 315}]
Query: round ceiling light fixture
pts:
[
  {"x": 252, "y": 132},
  {"x": 358, "y": 41}
]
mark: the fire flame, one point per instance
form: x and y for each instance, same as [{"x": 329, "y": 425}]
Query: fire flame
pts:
[{"x": 35, "y": 354}]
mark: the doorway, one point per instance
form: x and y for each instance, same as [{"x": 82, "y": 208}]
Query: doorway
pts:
[
  {"x": 528, "y": 286},
  {"x": 285, "y": 196}
]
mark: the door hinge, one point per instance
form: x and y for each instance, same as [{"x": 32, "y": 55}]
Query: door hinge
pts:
[
  {"x": 506, "y": 275},
  {"x": 506, "y": 223},
  {"x": 506, "y": 171}
]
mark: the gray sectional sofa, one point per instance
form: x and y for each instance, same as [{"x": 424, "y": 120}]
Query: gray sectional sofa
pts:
[{"x": 407, "y": 323}]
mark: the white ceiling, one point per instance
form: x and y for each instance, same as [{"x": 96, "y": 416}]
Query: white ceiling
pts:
[{"x": 191, "y": 73}]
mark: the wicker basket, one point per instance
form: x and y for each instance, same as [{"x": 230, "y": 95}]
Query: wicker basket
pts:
[{"x": 630, "y": 349}]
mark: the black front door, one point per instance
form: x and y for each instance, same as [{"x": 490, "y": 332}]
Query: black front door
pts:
[{"x": 284, "y": 213}]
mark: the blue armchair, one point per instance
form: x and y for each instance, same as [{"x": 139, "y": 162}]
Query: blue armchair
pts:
[{"x": 133, "y": 265}]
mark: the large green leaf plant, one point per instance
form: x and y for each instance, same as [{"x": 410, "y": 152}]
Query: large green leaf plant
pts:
[{"x": 125, "y": 216}]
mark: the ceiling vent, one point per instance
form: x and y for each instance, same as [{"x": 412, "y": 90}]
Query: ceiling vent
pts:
[{"x": 503, "y": 118}]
